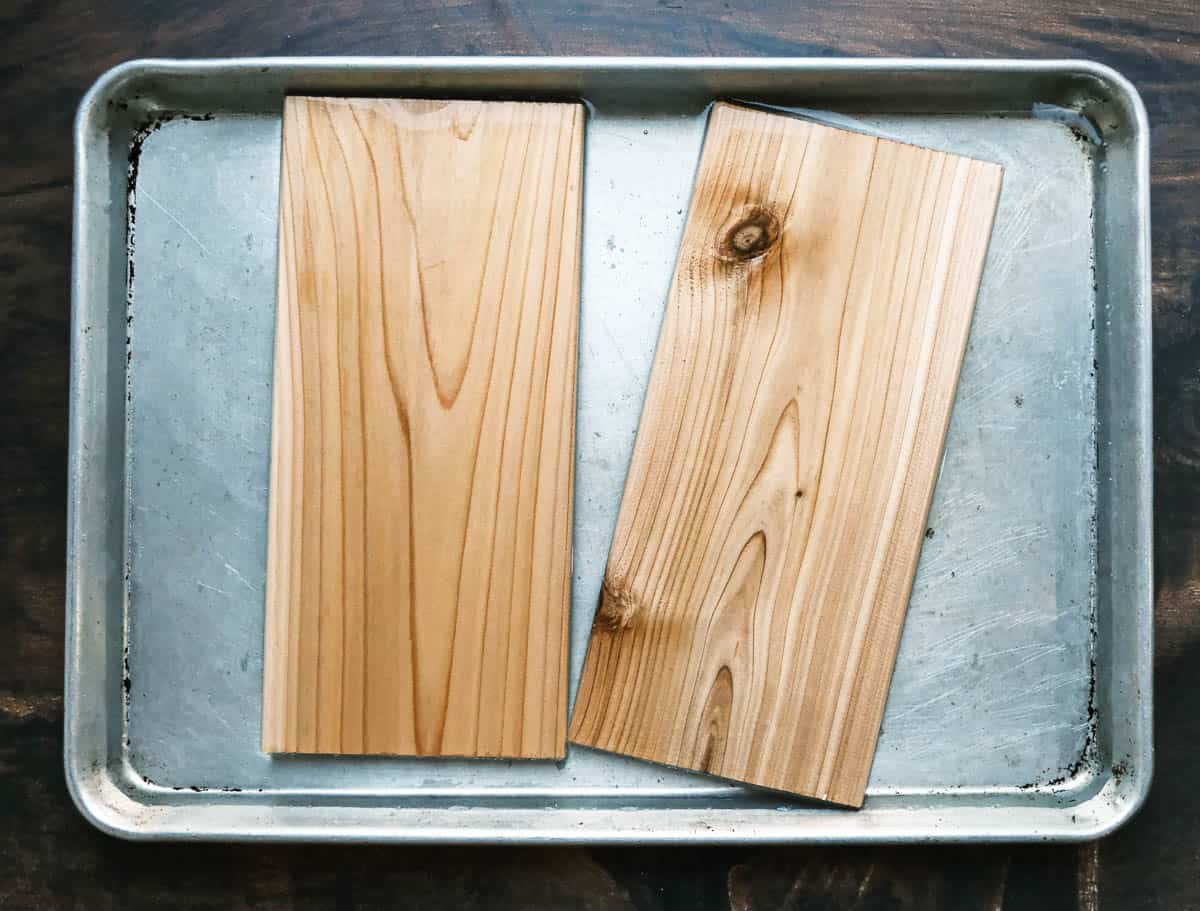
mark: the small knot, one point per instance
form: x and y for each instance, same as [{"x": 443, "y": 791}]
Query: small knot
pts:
[
  {"x": 618, "y": 607},
  {"x": 747, "y": 238},
  {"x": 751, "y": 236}
]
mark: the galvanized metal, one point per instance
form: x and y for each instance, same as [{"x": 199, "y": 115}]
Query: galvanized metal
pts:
[{"x": 1021, "y": 704}]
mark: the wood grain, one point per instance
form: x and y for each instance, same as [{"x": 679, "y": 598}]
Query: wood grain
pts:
[
  {"x": 421, "y": 476},
  {"x": 787, "y": 453}
]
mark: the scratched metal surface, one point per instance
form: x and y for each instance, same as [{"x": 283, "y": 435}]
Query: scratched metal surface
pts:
[{"x": 993, "y": 703}]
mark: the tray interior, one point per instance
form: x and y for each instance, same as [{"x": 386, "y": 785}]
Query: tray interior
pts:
[{"x": 1000, "y": 673}]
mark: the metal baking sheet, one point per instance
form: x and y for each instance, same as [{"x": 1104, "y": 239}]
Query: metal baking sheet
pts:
[{"x": 1020, "y": 707}]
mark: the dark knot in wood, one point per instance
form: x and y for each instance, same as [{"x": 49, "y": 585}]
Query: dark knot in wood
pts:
[
  {"x": 751, "y": 236},
  {"x": 618, "y": 607}
]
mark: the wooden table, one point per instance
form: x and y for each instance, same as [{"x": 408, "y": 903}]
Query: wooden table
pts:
[{"x": 49, "y": 857}]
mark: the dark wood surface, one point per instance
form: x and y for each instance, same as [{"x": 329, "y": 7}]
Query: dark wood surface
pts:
[{"x": 49, "y": 857}]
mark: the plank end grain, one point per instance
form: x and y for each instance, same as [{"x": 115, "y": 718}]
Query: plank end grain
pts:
[
  {"x": 419, "y": 551},
  {"x": 787, "y": 454}
]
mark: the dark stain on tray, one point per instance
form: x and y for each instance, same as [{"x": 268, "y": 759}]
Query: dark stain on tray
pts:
[{"x": 136, "y": 144}]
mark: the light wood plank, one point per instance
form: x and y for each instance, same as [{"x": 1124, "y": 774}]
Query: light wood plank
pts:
[
  {"x": 786, "y": 457},
  {"x": 421, "y": 475}
]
